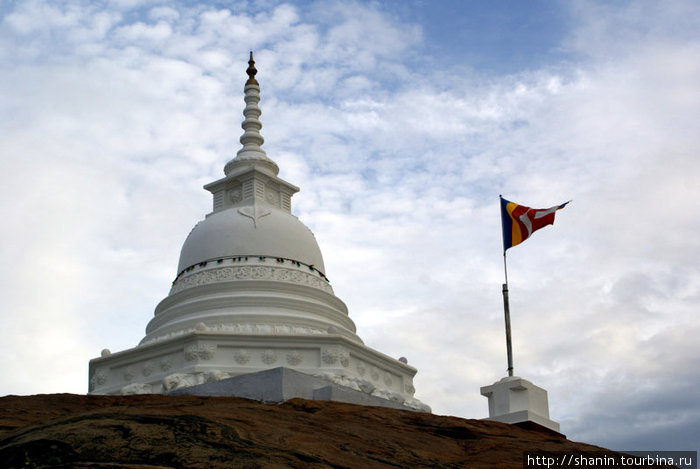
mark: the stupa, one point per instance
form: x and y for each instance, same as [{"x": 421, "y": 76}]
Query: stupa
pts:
[{"x": 250, "y": 295}]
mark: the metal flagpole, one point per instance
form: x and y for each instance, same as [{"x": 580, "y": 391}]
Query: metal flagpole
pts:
[
  {"x": 506, "y": 309},
  {"x": 506, "y": 306}
]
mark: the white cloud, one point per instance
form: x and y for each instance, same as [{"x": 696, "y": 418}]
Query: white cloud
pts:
[{"x": 114, "y": 116}]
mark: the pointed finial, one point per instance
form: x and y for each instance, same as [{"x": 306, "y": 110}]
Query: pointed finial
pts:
[
  {"x": 251, "y": 71},
  {"x": 251, "y": 154}
]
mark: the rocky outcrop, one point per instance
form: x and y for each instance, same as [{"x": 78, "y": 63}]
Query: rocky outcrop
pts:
[{"x": 156, "y": 431}]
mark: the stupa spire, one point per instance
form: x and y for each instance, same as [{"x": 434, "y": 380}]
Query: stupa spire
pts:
[{"x": 251, "y": 155}]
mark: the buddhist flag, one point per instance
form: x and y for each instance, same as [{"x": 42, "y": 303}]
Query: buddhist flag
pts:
[{"x": 519, "y": 221}]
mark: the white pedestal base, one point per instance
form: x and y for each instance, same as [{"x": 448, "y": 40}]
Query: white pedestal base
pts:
[
  {"x": 207, "y": 356},
  {"x": 516, "y": 400}
]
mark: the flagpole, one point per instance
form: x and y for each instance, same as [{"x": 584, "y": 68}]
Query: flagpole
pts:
[
  {"x": 506, "y": 310},
  {"x": 506, "y": 305}
]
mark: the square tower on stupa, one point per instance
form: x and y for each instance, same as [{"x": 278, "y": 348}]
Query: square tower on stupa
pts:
[{"x": 251, "y": 295}]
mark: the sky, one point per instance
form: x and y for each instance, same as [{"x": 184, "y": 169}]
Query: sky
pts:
[{"x": 401, "y": 122}]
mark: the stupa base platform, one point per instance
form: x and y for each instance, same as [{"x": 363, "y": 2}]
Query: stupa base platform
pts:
[
  {"x": 281, "y": 384},
  {"x": 207, "y": 357}
]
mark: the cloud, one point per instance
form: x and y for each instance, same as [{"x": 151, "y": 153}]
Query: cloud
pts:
[{"x": 114, "y": 115}]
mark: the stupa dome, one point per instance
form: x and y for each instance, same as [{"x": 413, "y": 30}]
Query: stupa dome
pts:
[{"x": 235, "y": 232}]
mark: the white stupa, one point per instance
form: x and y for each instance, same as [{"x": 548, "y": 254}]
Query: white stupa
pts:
[{"x": 251, "y": 294}]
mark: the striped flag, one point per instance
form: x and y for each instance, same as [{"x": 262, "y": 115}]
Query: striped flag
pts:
[{"x": 519, "y": 221}]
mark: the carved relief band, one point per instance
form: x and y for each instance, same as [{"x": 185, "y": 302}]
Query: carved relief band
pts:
[{"x": 248, "y": 272}]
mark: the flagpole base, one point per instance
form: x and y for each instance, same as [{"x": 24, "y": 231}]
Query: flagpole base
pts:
[{"x": 517, "y": 401}]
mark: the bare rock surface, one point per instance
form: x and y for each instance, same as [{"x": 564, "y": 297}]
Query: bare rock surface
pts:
[{"x": 155, "y": 431}]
